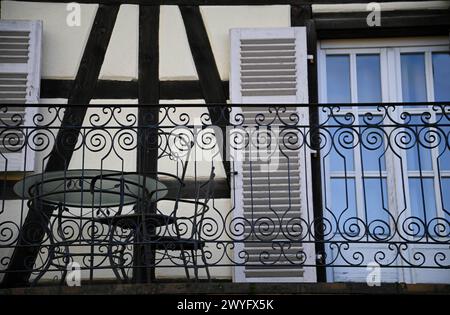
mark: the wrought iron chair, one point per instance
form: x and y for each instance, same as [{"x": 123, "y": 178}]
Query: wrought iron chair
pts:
[
  {"x": 129, "y": 229},
  {"x": 191, "y": 239},
  {"x": 154, "y": 232},
  {"x": 153, "y": 229}
]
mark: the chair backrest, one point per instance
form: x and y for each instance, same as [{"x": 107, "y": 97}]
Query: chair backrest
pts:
[
  {"x": 204, "y": 194},
  {"x": 171, "y": 146},
  {"x": 176, "y": 147}
]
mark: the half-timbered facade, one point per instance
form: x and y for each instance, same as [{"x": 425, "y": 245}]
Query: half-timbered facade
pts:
[{"x": 319, "y": 129}]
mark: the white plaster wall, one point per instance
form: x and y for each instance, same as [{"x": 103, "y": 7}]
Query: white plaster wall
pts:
[
  {"x": 11, "y": 212},
  {"x": 175, "y": 59},
  {"x": 220, "y": 19},
  {"x": 63, "y": 45}
]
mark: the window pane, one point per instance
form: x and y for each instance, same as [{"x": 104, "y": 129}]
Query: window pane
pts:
[
  {"x": 418, "y": 156},
  {"x": 444, "y": 150},
  {"x": 372, "y": 147},
  {"x": 445, "y": 188},
  {"x": 413, "y": 78},
  {"x": 376, "y": 200},
  {"x": 441, "y": 76},
  {"x": 422, "y": 198},
  {"x": 338, "y": 79},
  {"x": 343, "y": 203},
  {"x": 341, "y": 154},
  {"x": 369, "y": 78}
]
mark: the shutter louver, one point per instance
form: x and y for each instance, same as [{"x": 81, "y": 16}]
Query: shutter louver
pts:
[
  {"x": 20, "y": 51},
  {"x": 268, "y": 66}
]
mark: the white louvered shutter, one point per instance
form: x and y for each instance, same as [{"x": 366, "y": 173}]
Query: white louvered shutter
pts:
[
  {"x": 20, "y": 65},
  {"x": 269, "y": 66}
]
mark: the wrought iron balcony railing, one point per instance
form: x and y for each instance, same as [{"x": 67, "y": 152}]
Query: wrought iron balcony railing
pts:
[{"x": 244, "y": 192}]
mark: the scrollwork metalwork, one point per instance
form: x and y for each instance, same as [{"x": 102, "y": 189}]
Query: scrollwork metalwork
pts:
[{"x": 385, "y": 175}]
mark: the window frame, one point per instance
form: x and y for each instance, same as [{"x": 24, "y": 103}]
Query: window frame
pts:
[
  {"x": 429, "y": 81},
  {"x": 390, "y": 51}
]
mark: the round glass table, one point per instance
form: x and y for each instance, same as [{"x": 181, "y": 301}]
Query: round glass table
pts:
[
  {"x": 90, "y": 188},
  {"x": 87, "y": 188}
]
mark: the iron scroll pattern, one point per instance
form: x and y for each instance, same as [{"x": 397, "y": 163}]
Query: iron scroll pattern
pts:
[{"x": 401, "y": 149}]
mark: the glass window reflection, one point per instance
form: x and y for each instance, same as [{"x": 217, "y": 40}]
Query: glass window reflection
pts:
[
  {"x": 338, "y": 79},
  {"x": 422, "y": 198},
  {"x": 343, "y": 203},
  {"x": 441, "y": 76},
  {"x": 369, "y": 78},
  {"x": 375, "y": 191},
  {"x": 418, "y": 155},
  {"x": 413, "y": 77}
]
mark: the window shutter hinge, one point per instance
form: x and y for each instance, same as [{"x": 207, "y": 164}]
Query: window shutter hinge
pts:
[{"x": 310, "y": 58}]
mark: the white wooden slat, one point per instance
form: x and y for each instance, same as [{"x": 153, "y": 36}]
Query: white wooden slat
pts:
[
  {"x": 275, "y": 59},
  {"x": 263, "y": 47},
  {"x": 271, "y": 53},
  {"x": 20, "y": 51},
  {"x": 268, "y": 66},
  {"x": 271, "y": 79},
  {"x": 267, "y": 41}
]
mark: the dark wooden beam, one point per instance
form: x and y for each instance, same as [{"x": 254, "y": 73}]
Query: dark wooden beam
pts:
[
  {"x": 203, "y": 56},
  {"x": 148, "y": 85},
  {"x": 382, "y": 32},
  {"x": 302, "y": 16},
  {"x": 111, "y": 89},
  {"x": 148, "y": 117},
  {"x": 185, "y": 89},
  {"x": 33, "y": 228},
  {"x": 208, "y": 73},
  {"x": 216, "y": 2},
  {"x": 221, "y": 188},
  {"x": 393, "y": 24},
  {"x": 6, "y": 189}
]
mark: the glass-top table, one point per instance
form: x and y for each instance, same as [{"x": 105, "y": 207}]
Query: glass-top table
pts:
[{"x": 73, "y": 188}]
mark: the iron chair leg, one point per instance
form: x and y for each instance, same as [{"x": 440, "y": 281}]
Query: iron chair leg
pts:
[
  {"x": 206, "y": 264},
  {"x": 185, "y": 263},
  {"x": 194, "y": 262}
]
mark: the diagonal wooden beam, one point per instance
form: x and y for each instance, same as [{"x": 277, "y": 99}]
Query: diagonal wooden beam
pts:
[
  {"x": 33, "y": 228},
  {"x": 84, "y": 85},
  {"x": 208, "y": 73}
]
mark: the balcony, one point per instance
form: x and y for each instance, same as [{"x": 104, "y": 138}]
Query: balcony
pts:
[{"x": 243, "y": 193}]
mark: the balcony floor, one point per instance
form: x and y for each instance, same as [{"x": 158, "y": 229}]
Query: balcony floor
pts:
[{"x": 232, "y": 288}]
